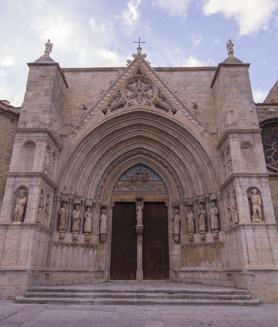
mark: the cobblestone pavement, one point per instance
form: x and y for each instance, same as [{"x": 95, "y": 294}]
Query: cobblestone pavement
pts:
[{"x": 13, "y": 315}]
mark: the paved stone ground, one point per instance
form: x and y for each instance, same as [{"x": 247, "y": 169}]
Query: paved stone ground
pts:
[{"x": 14, "y": 315}]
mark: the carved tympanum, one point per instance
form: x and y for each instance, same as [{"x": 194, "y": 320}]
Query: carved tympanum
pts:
[{"x": 140, "y": 179}]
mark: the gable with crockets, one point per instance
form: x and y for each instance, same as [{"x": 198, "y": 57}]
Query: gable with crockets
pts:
[{"x": 138, "y": 85}]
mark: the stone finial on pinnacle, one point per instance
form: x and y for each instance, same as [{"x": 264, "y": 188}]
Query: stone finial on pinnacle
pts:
[
  {"x": 48, "y": 48},
  {"x": 230, "y": 48}
]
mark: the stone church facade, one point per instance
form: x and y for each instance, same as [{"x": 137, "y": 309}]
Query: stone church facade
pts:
[{"x": 139, "y": 173}]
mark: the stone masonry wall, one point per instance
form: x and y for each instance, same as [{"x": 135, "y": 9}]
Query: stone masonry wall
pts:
[
  {"x": 8, "y": 122},
  {"x": 87, "y": 85}
]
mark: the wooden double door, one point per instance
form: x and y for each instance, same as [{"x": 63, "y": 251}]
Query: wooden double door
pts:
[{"x": 155, "y": 247}]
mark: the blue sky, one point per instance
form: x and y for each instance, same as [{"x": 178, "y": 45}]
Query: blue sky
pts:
[{"x": 88, "y": 33}]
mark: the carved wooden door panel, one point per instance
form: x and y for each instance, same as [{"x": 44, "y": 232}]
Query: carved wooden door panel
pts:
[
  {"x": 155, "y": 241},
  {"x": 124, "y": 242}
]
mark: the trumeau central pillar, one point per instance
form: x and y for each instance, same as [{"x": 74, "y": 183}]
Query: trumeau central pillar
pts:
[{"x": 139, "y": 230}]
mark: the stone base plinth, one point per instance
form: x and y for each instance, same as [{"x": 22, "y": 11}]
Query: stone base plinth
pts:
[{"x": 15, "y": 282}]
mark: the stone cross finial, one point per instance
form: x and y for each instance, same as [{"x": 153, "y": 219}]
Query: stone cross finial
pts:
[
  {"x": 230, "y": 48},
  {"x": 48, "y": 48},
  {"x": 139, "y": 42}
]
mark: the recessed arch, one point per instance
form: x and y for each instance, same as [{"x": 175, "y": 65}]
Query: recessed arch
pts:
[{"x": 154, "y": 137}]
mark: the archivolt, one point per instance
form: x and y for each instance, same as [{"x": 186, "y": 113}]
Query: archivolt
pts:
[{"x": 92, "y": 166}]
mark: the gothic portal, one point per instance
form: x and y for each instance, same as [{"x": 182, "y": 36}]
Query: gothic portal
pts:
[
  {"x": 139, "y": 172},
  {"x": 140, "y": 242}
]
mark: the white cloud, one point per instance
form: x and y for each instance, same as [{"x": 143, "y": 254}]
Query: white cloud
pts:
[
  {"x": 251, "y": 15},
  {"x": 7, "y": 62},
  {"x": 192, "y": 61},
  {"x": 259, "y": 95},
  {"x": 79, "y": 40},
  {"x": 130, "y": 14},
  {"x": 173, "y": 7},
  {"x": 196, "y": 40}
]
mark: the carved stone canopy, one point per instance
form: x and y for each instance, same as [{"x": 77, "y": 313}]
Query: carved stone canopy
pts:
[{"x": 139, "y": 91}]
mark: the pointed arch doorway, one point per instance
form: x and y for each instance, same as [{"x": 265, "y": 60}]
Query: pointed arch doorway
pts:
[{"x": 140, "y": 242}]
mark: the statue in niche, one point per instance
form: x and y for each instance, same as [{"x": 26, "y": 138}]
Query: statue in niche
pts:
[
  {"x": 176, "y": 224},
  {"x": 88, "y": 217},
  {"x": 47, "y": 204},
  {"x": 230, "y": 216},
  {"x": 213, "y": 216},
  {"x": 75, "y": 222},
  {"x": 75, "y": 218},
  {"x": 202, "y": 221},
  {"x": 62, "y": 222},
  {"x": 47, "y": 160},
  {"x": 234, "y": 208},
  {"x": 20, "y": 206},
  {"x": 190, "y": 223},
  {"x": 52, "y": 164},
  {"x": 202, "y": 218},
  {"x": 41, "y": 208},
  {"x": 103, "y": 224},
  {"x": 256, "y": 205}
]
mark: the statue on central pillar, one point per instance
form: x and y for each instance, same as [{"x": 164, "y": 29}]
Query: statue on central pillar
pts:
[
  {"x": 139, "y": 230},
  {"x": 139, "y": 212}
]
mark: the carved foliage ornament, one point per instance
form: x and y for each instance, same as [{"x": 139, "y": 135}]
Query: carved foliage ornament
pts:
[
  {"x": 270, "y": 144},
  {"x": 139, "y": 91}
]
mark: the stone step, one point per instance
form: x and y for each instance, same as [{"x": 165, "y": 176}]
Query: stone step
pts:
[
  {"x": 36, "y": 300},
  {"x": 136, "y": 295},
  {"x": 136, "y": 290}
]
